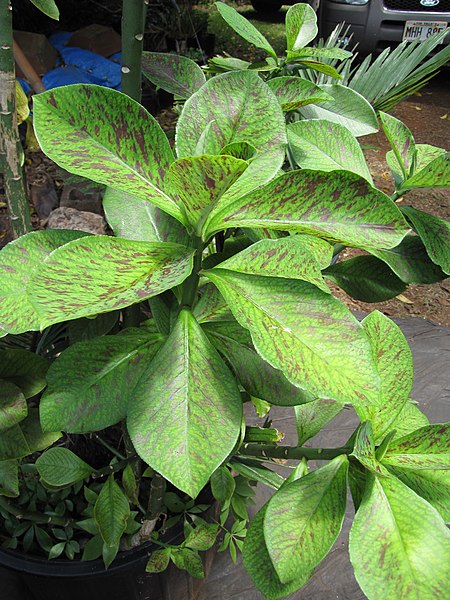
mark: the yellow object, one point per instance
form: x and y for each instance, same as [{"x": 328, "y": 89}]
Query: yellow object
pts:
[{"x": 22, "y": 108}]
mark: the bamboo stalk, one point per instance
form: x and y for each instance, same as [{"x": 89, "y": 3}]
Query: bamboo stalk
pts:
[{"x": 11, "y": 152}]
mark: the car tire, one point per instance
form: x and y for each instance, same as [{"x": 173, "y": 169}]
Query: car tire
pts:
[{"x": 266, "y": 6}]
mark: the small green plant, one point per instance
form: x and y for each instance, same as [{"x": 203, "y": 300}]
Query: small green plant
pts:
[{"x": 225, "y": 250}]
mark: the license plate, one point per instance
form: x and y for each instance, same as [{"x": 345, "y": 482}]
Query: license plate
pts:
[{"x": 421, "y": 30}]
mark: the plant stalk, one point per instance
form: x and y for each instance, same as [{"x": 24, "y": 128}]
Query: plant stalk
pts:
[
  {"x": 190, "y": 286},
  {"x": 133, "y": 24},
  {"x": 11, "y": 152},
  {"x": 38, "y": 518},
  {"x": 292, "y": 452}
]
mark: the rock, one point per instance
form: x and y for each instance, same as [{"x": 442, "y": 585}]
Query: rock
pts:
[
  {"x": 70, "y": 218},
  {"x": 82, "y": 198}
]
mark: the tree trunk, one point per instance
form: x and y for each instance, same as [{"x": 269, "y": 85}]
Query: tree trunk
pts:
[{"x": 11, "y": 152}]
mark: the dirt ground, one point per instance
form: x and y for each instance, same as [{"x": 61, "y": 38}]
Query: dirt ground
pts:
[{"x": 427, "y": 114}]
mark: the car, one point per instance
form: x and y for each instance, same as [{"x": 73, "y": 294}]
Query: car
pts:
[{"x": 376, "y": 24}]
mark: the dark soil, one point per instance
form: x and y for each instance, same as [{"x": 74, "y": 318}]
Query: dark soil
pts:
[{"x": 427, "y": 114}]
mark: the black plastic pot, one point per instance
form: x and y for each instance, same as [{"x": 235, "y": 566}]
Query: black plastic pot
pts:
[{"x": 29, "y": 578}]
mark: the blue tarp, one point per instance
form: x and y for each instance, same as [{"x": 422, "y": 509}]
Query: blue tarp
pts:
[
  {"x": 60, "y": 39},
  {"x": 65, "y": 76},
  {"x": 101, "y": 70}
]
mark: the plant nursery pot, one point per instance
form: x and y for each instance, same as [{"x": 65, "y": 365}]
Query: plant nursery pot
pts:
[{"x": 31, "y": 578}]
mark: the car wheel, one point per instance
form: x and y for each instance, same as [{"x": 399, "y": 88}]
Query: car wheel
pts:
[{"x": 266, "y": 6}]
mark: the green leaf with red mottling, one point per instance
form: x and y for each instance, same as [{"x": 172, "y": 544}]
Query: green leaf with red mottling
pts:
[
  {"x": 311, "y": 417},
  {"x": 394, "y": 363},
  {"x": 304, "y": 332},
  {"x": 242, "y": 150},
  {"x": 434, "y": 233},
  {"x": 304, "y": 518},
  {"x": 132, "y": 218},
  {"x": 25, "y": 369},
  {"x": 244, "y": 28},
  {"x": 326, "y": 146},
  {"x": 364, "y": 450},
  {"x": 365, "y": 278},
  {"x": 301, "y": 27},
  {"x": 13, "y": 406},
  {"x": 435, "y": 174},
  {"x": 293, "y": 92},
  {"x": 432, "y": 485},
  {"x": 348, "y": 108},
  {"x": 235, "y": 107},
  {"x": 101, "y": 273},
  {"x": 259, "y": 566},
  {"x": 25, "y": 438},
  {"x": 402, "y": 142},
  {"x": 91, "y": 383},
  {"x": 255, "y": 375},
  {"x": 198, "y": 182},
  {"x": 425, "y": 448},
  {"x": 339, "y": 206},
  {"x": 185, "y": 416},
  {"x": 399, "y": 545},
  {"x": 410, "y": 261},
  {"x": 408, "y": 419},
  {"x": 211, "y": 306},
  {"x": 19, "y": 261},
  {"x": 101, "y": 134},
  {"x": 9, "y": 478},
  {"x": 173, "y": 73},
  {"x": 294, "y": 257}
]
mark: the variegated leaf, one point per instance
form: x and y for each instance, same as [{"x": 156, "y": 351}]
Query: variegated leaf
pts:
[
  {"x": 304, "y": 518},
  {"x": 399, "y": 545},
  {"x": 110, "y": 273},
  {"x": 434, "y": 233},
  {"x": 365, "y": 278},
  {"x": 186, "y": 413},
  {"x": 13, "y": 406},
  {"x": 259, "y": 566},
  {"x": 99, "y": 133},
  {"x": 311, "y": 417},
  {"x": 286, "y": 319},
  {"x": 91, "y": 383},
  {"x": 176, "y": 74},
  {"x": 348, "y": 108},
  {"x": 210, "y": 120},
  {"x": 326, "y": 146},
  {"x": 435, "y": 174},
  {"x": 301, "y": 26},
  {"x": 255, "y": 375},
  {"x": 402, "y": 142},
  {"x": 294, "y": 257},
  {"x": 338, "y": 206},
  {"x": 410, "y": 261},
  {"x": 25, "y": 369},
  {"x": 19, "y": 261},
  {"x": 394, "y": 363},
  {"x": 132, "y": 218},
  {"x": 293, "y": 92},
  {"x": 198, "y": 182},
  {"x": 425, "y": 448},
  {"x": 432, "y": 485}
]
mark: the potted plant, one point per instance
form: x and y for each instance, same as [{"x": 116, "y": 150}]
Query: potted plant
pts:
[{"x": 213, "y": 294}]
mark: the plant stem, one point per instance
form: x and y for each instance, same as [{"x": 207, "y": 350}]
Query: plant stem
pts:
[
  {"x": 292, "y": 452},
  {"x": 106, "y": 471},
  {"x": 109, "y": 447},
  {"x": 190, "y": 286},
  {"x": 39, "y": 518},
  {"x": 11, "y": 152},
  {"x": 133, "y": 24},
  {"x": 155, "y": 500}
]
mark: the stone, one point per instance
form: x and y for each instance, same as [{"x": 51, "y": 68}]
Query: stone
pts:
[
  {"x": 97, "y": 38},
  {"x": 70, "y": 218},
  {"x": 38, "y": 50},
  {"x": 82, "y": 198}
]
